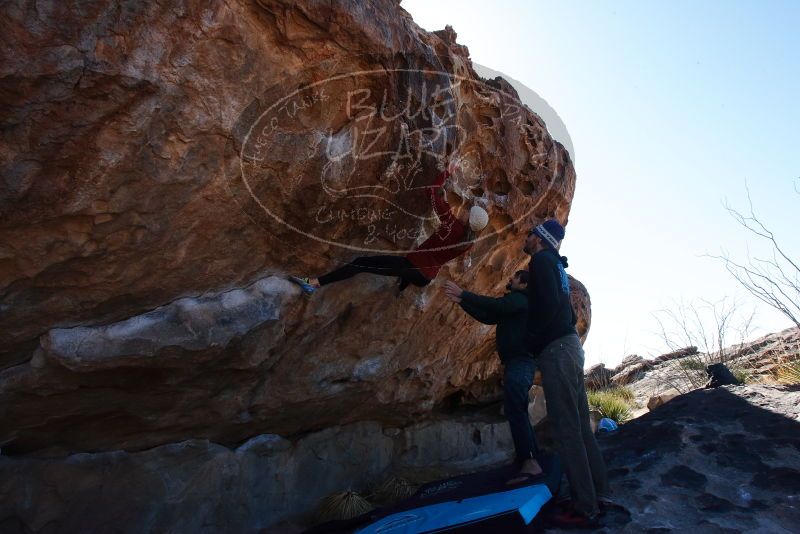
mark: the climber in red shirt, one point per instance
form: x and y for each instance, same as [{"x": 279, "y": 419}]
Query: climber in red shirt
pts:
[{"x": 452, "y": 238}]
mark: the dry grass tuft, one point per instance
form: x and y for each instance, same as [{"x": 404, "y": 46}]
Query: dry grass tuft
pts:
[
  {"x": 393, "y": 489},
  {"x": 342, "y": 505},
  {"x": 788, "y": 373}
]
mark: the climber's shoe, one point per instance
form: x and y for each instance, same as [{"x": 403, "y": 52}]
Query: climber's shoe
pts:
[{"x": 304, "y": 283}]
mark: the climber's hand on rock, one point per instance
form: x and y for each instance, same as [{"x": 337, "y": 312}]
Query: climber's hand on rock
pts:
[
  {"x": 457, "y": 300},
  {"x": 452, "y": 291}
]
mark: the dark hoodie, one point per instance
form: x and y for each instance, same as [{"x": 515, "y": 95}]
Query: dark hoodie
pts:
[
  {"x": 509, "y": 313},
  {"x": 550, "y": 313}
]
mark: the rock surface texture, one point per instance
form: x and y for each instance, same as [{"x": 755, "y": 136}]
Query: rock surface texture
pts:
[
  {"x": 718, "y": 460},
  {"x": 630, "y": 369},
  {"x": 267, "y": 484},
  {"x": 598, "y": 376},
  {"x": 166, "y": 165}
]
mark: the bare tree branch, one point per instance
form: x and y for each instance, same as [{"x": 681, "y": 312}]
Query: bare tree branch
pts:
[
  {"x": 710, "y": 325},
  {"x": 775, "y": 281}
]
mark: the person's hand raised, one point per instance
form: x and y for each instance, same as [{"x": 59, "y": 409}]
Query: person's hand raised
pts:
[{"x": 452, "y": 291}]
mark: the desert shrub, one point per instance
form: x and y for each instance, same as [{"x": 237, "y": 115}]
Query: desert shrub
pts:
[
  {"x": 788, "y": 373},
  {"x": 343, "y": 505},
  {"x": 742, "y": 375},
  {"x": 692, "y": 364},
  {"x": 610, "y": 405},
  {"x": 621, "y": 392}
]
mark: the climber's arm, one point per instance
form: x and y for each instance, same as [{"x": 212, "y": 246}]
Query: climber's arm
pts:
[
  {"x": 456, "y": 294},
  {"x": 440, "y": 205},
  {"x": 439, "y": 199},
  {"x": 499, "y": 307},
  {"x": 476, "y": 313}
]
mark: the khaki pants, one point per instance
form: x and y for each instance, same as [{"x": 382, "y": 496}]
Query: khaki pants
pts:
[{"x": 561, "y": 364}]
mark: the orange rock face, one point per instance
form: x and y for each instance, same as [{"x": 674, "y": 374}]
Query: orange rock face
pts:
[{"x": 165, "y": 166}]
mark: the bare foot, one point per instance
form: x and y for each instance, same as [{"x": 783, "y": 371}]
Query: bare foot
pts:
[{"x": 530, "y": 468}]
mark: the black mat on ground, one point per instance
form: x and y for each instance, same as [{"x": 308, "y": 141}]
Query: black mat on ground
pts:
[{"x": 456, "y": 489}]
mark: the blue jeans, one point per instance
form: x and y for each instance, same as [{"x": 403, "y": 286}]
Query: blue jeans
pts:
[{"x": 517, "y": 381}]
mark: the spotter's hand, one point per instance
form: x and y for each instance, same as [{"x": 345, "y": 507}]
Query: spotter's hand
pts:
[{"x": 452, "y": 291}]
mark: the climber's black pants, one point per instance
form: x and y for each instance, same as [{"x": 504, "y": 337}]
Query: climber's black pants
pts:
[{"x": 382, "y": 265}]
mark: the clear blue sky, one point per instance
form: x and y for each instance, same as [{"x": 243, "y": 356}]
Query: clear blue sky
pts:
[{"x": 671, "y": 107}]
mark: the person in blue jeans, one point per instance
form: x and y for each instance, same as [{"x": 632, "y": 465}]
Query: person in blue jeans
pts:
[
  {"x": 510, "y": 314},
  {"x": 518, "y": 376}
]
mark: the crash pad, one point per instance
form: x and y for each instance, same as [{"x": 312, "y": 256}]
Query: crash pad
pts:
[{"x": 474, "y": 502}]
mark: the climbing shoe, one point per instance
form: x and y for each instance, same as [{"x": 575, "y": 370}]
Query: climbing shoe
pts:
[{"x": 304, "y": 283}]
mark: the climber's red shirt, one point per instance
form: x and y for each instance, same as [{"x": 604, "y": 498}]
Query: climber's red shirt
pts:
[{"x": 450, "y": 232}]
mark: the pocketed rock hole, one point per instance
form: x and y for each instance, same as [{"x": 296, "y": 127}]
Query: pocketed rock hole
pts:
[{"x": 476, "y": 437}]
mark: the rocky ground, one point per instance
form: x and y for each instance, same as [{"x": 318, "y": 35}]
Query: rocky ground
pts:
[
  {"x": 683, "y": 370},
  {"x": 708, "y": 460},
  {"x": 725, "y": 460}
]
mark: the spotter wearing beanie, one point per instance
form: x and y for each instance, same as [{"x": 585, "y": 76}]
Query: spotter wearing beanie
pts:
[
  {"x": 478, "y": 218},
  {"x": 551, "y": 232}
]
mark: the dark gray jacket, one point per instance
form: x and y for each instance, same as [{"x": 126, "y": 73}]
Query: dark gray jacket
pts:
[
  {"x": 509, "y": 313},
  {"x": 550, "y": 309}
]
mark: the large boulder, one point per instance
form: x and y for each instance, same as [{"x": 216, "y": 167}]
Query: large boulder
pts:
[
  {"x": 167, "y": 164},
  {"x": 582, "y": 304},
  {"x": 628, "y": 361},
  {"x": 598, "y": 376},
  {"x": 631, "y": 368},
  {"x": 659, "y": 400},
  {"x": 676, "y": 354},
  {"x": 267, "y": 479}
]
